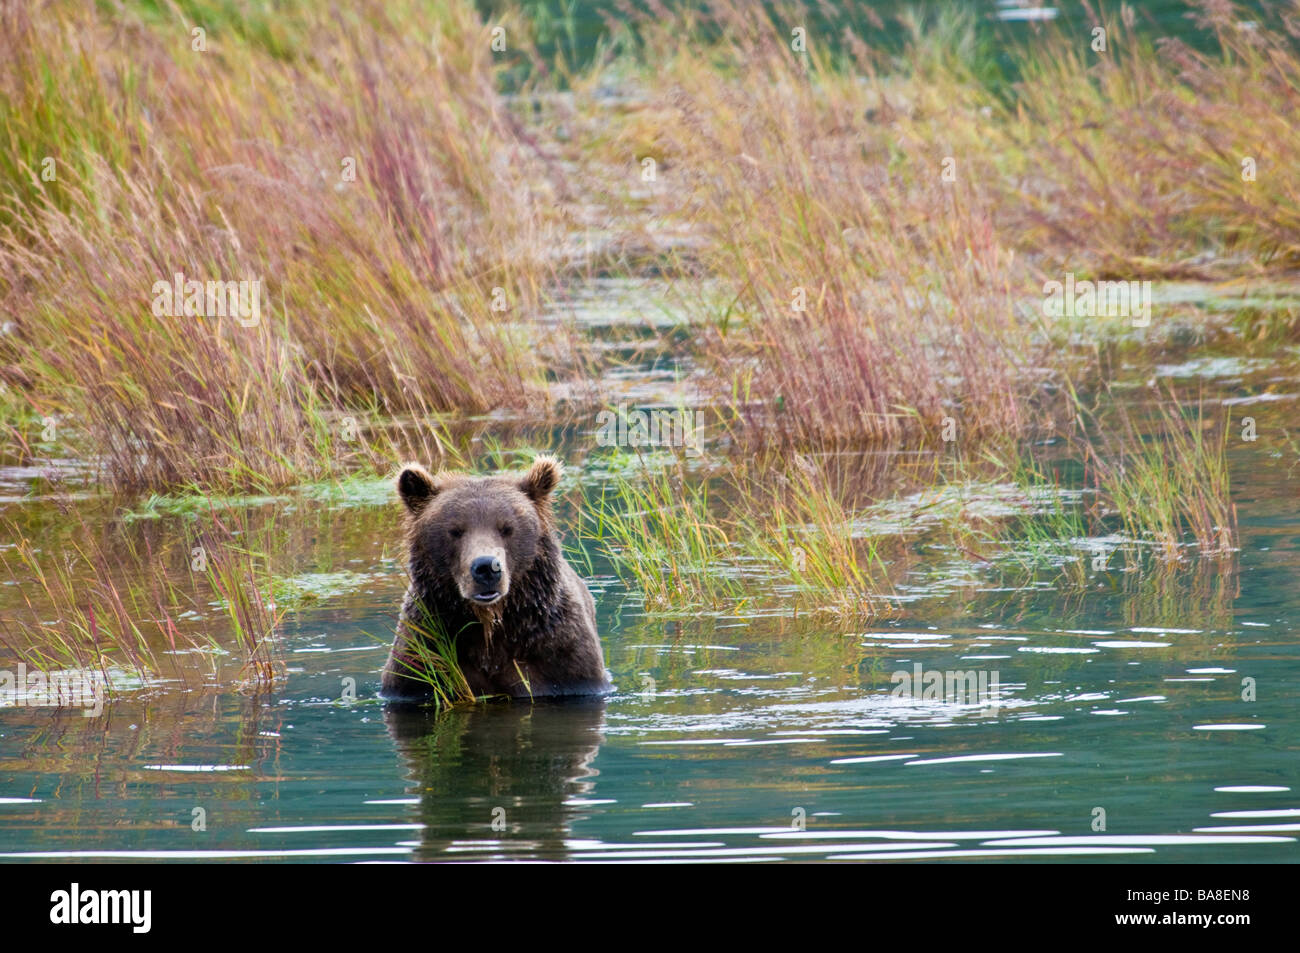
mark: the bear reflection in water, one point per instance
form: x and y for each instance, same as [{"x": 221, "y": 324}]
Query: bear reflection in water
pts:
[{"x": 499, "y": 772}]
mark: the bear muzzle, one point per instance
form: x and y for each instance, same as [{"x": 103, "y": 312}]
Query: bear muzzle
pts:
[{"x": 487, "y": 580}]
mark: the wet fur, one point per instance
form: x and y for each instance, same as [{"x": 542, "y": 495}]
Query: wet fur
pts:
[{"x": 540, "y": 638}]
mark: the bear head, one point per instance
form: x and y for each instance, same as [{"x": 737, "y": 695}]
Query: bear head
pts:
[{"x": 484, "y": 533}]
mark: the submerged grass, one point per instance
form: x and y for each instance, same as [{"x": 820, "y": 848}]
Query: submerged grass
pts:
[
  {"x": 785, "y": 529},
  {"x": 238, "y": 576},
  {"x": 1143, "y": 481},
  {"x": 660, "y": 531},
  {"x": 1043, "y": 528},
  {"x": 810, "y": 531},
  {"x": 98, "y": 624}
]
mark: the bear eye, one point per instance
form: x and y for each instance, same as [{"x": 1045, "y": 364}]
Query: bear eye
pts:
[
  {"x": 457, "y": 533},
  {"x": 507, "y": 530}
]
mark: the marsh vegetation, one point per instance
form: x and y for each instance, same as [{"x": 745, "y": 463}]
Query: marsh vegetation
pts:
[{"x": 461, "y": 243}]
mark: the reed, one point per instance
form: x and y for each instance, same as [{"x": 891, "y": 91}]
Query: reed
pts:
[
  {"x": 811, "y": 531},
  {"x": 883, "y": 224},
  {"x": 869, "y": 297},
  {"x": 754, "y": 542},
  {"x": 1175, "y": 160},
  {"x": 72, "y": 611},
  {"x": 362, "y": 167},
  {"x": 661, "y": 531},
  {"x": 1170, "y": 486},
  {"x": 240, "y": 577}
]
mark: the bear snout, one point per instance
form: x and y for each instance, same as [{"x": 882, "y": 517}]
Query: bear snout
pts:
[
  {"x": 486, "y": 578},
  {"x": 486, "y": 570}
]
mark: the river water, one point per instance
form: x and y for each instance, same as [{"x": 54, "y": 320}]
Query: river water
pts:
[{"x": 1138, "y": 716}]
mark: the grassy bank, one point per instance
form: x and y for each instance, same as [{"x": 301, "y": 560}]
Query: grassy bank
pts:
[
  {"x": 357, "y": 169},
  {"x": 881, "y": 226}
]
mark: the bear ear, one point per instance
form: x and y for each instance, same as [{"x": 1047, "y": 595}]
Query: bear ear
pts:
[
  {"x": 416, "y": 487},
  {"x": 541, "y": 478}
]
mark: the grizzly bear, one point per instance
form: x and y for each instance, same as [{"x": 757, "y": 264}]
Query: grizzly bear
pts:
[{"x": 486, "y": 569}]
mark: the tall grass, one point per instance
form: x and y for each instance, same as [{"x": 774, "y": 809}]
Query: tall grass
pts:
[
  {"x": 883, "y": 224},
  {"x": 1170, "y": 486},
  {"x": 364, "y": 169},
  {"x": 98, "y": 624},
  {"x": 877, "y": 226},
  {"x": 1175, "y": 161},
  {"x": 870, "y": 296},
  {"x": 239, "y": 577},
  {"x": 809, "y": 529},
  {"x": 757, "y": 539},
  {"x": 661, "y": 530}
]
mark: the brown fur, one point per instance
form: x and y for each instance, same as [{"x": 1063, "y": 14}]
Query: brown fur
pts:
[{"x": 539, "y": 636}]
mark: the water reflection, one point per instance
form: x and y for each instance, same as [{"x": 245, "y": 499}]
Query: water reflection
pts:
[{"x": 499, "y": 779}]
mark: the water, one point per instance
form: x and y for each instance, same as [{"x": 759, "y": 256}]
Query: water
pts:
[
  {"x": 576, "y": 28},
  {"x": 1117, "y": 733},
  {"x": 749, "y": 730},
  {"x": 750, "y": 736}
]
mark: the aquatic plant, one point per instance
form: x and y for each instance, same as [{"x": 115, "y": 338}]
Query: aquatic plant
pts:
[
  {"x": 660, "y": 530},
  {"x": 885, "y": 223},
  {"x": 809, "y": 529},
  {"x": 75, "y": 614},
  {"x": 433, "y": 661},
  {"x": 1174, "y": 160},
  {"x": 105, "y": 599},
  {"x": 1048, "y": 529},
  {"x": 1170, "y": 484},
  {"x": 241, "y": 577},
  {"x": 791, "y": 539}
]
